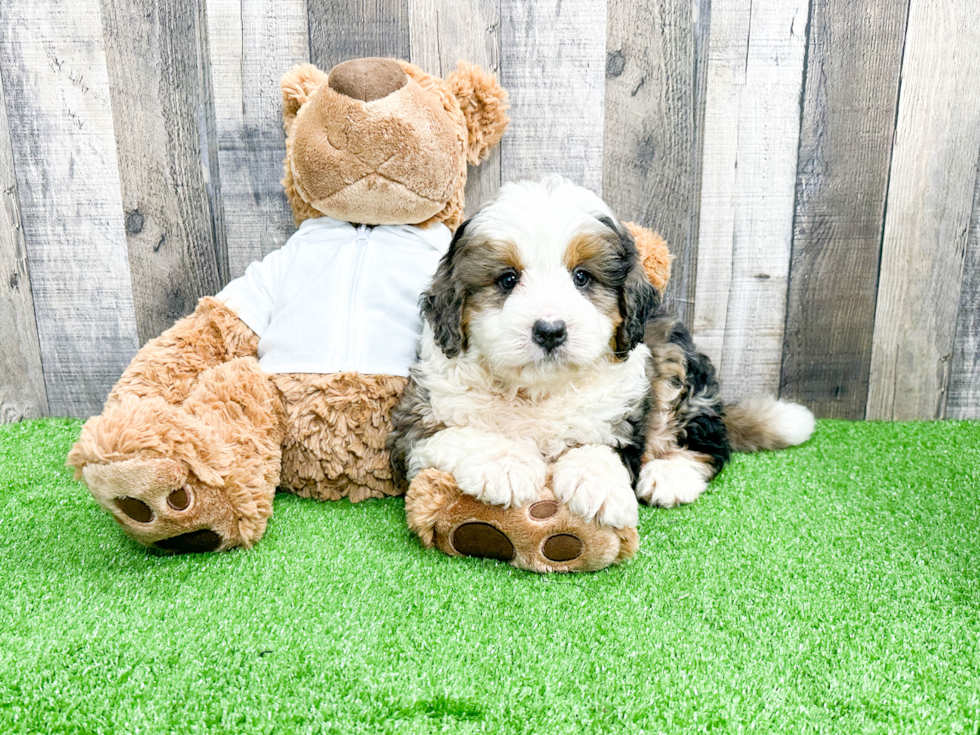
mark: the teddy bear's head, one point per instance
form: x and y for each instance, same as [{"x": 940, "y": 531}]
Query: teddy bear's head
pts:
[{"x": 380, "y": 142}]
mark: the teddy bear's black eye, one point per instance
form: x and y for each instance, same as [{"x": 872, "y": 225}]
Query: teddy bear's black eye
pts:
[
  {"x": 507, "y": 280},
  {"x": 581, "y": 277}
]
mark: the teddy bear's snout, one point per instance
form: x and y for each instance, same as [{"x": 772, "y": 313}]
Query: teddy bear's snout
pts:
[{"x": 367, "y": 80}]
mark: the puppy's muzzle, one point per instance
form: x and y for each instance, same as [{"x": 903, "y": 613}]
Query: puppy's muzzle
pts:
[{"x": 549, "y": 335}]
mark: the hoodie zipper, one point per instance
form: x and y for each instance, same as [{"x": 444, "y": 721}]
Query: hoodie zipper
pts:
[{"x": 361, "y": 243}]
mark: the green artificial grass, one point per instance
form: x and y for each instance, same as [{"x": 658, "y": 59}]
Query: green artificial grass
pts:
[{"x": 832, "y": 588}]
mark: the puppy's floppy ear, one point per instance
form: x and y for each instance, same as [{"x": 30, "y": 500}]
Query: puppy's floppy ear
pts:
[
  {"x": 297, "y": 85},
  {"x": 637, "y": 297},
  {"x": 443, "y": 303},
  {"x": 484, "y": 104}
]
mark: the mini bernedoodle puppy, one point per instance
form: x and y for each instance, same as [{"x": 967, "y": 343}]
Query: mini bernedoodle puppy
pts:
[{"x": 545, "y": 349}]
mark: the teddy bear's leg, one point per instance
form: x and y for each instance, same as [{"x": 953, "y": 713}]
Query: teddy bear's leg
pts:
[
  {"x": 335, "y": 435},
  {"x": 542, "y": 537},
  {"x": 199, "y": 476}
]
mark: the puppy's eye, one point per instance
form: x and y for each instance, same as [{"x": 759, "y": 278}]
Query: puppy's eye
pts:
[
  {"x": 507, "y": 280},
  {"x": 581, "y": 277}
]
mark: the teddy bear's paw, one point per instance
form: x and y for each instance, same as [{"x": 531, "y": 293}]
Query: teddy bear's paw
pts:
[
  {"x": 158, "y": 505},
  {"x": 537, "y": 548},
  {"x": 509, "y": 478},
  {"x": 595, "y": 485},
  {"x": 673, "y": 481},
  {"x": 545, "y": 536}
]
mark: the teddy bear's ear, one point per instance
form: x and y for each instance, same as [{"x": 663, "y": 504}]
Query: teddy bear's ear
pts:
[
  {"x": 297, "y": 85},
  {"x": 484, "y": 104},
  {"x": 653, "y": 254}
]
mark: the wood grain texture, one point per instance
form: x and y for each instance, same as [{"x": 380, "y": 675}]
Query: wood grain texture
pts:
[
  {"x": 251, "y": 44},
  {"x": 441, "y": 33},
  {"x": 22, "y": 394},
  {"x": 655, "y": 92},
  {"x": 348, "y": 29},
  {"x": 930, "y": 196},
  {"x": 553, "y": 58},
  {"x": 159, "y": 109},
  {"x": 854, "y": 60},
  {"x": 963, "y": 396},
  {"x": 58, "y": 110},
  {"x": 751, "y": 136},
  {"x": 812, "y": 163}
]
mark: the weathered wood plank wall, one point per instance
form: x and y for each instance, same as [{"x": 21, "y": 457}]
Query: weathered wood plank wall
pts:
[
  {"x": 22, "y": 393},
  {"x": 930, "y": 194},
  {"x": 751, "y": 136},
  {"x": 813, "y": 164},
  {"x": 157, "y": 65},
  {"x": 652, "y": 143},
  {"x": 251, "y": 44},
  {"x": 59, "y": 116},
  {"x": 841, "y": 178}
]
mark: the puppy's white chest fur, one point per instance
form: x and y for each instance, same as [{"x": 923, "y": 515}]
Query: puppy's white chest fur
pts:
[{"x": 589, "y": 407}]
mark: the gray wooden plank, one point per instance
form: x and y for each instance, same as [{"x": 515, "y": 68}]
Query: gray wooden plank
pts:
[
  {"x": 441, "y": 33},
  {"x": 207, "y": 120},
  {"x": 854, "y": 59},
  {"x": 348, "y": 29},
  {"x": 751, "y": 138},
  {"x": 655, "y": 92},
  {"x": 58, "y": 109},
  {"x": 155, "y": 77},
  {"x": 22, "y": 394},
  {"x": 963, "y": 396},
  {"x": 553, "y": 58},
  {"x": 930, "y": 196},
  {"x": 251, "y": 44}
]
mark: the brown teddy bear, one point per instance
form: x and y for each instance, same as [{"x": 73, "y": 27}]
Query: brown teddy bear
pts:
[
  {"x": 287, "y": 377},
  {"x": 544, "y": 536}
]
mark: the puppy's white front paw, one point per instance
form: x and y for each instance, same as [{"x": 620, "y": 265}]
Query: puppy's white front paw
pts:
[
  {"x": 511, "y": 478},
  {"x": 673, "y": 481},
  {"x": 594, "y": 484}
]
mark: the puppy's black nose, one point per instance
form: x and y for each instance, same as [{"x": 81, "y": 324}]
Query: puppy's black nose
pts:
[{"x": 549, "y": 335}]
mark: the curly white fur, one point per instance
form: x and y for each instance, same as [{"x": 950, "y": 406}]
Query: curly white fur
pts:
[
  {"x": 673, "y": 481},
  {"x": 594, "y": 483}
]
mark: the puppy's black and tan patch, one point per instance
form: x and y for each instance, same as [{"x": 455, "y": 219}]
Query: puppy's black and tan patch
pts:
[
  {"x": 686, "y": 411},
  {"x": 637, "y": 298}
]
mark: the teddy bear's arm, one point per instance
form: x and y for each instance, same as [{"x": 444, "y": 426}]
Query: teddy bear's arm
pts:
[{"x": 168, "y": 365}]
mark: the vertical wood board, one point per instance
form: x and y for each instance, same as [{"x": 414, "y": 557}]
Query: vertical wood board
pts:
[
  {"x": 930, "y": 196},
  {"x": 441, "y": 33},
  {"x": 654, "y": 110},
  {"x": 853, "y": 64},
  {"x": 22, "y": 394},
  {"x": 58, "y": 108},
  {"x": 553, "y": 58},
  {"x": 751, "y": 136},
  {"x": 152, "y": 51},
  {"x": 251, "y": 44},
  {"x": 349, "y": 29},
  {"x": 963, "y": 396}
]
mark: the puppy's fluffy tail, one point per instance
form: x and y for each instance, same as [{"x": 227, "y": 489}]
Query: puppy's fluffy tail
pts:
[{"x": 765, "y": 423}]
